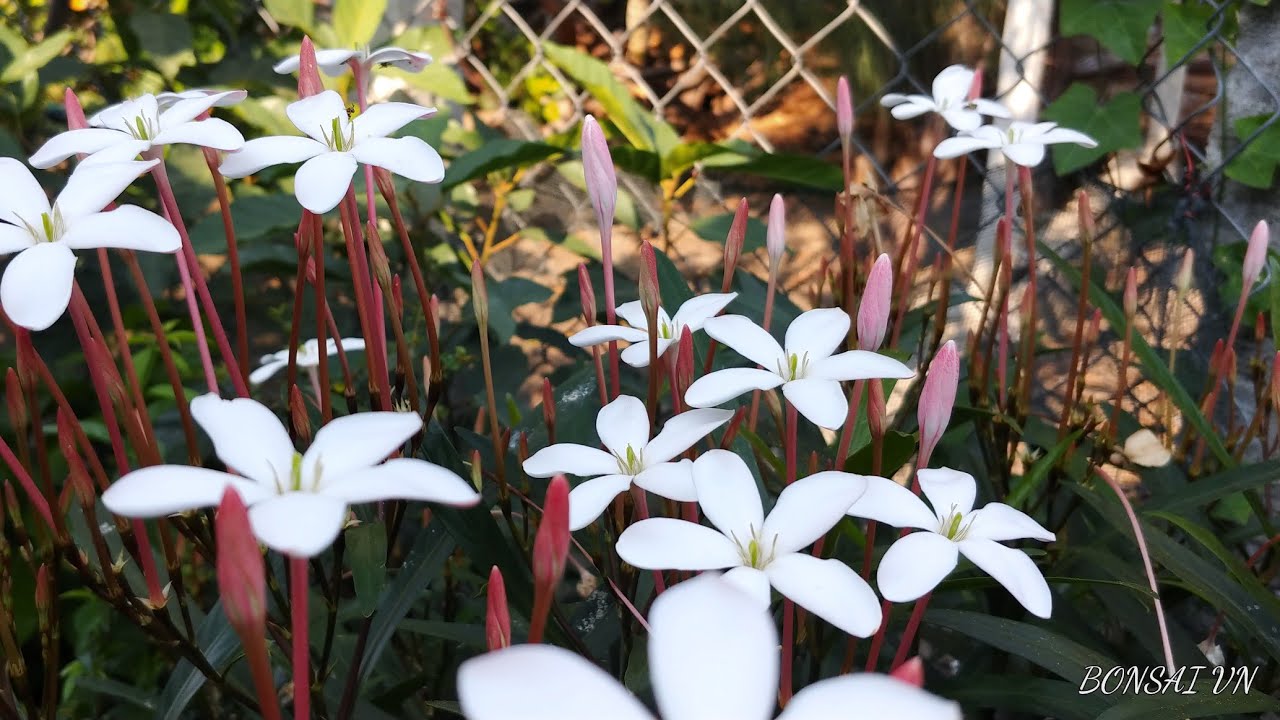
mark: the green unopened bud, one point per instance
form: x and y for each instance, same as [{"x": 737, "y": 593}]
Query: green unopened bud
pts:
[
  {"x": 1182, "y": 281},
  {"x": 479, "y": 296},
  {"x": 477, "y": 475}
]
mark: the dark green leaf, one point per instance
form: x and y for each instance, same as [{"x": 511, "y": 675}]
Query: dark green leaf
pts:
[
  {"x": 1209, "y": 489},
  {"x": 1116, "y": 125},
  {"x": 367, "y": 549},
  {"x": 255, "y": 217},
  {"x": 1031, "y": 481},
  {"x": 1051, "y": 651},
  {"x": 1255, "y": 166},
  {"x": 494, "y": 155},
  {"x": 166, "y": 38},
  {"x": 802, "y": 170},
  {"x": 683, "y": 156},
  {"x": 898, "y": 449},
  {"x": 1040, "y": 697},
  {"x": 1120, "y": 25},
  {"x": 1185, "y": 25},
  {"x": 505, "y": 297},
  {"x": 1204, "y": 703},
  {"x": 715, "y": 228},
  {"x": 460, "y": 633},
  {"x": 218, "y": 643}
]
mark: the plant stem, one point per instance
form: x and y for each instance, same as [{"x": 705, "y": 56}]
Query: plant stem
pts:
[
  {"x": 788, "y": 607},
  {"x": 907, "y": 273},
  {"x": 301, "y": 641},
  {"x": 909, "y": 634},
  {"x": 255, "y": 652},
  {"x": 233, "y": 260}
]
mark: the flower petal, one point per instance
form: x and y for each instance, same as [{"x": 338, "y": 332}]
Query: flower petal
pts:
[
  {"x": 696, "y": 311},
  {"x": 379, "y": 121},
  {"x": 623, "y": 424},
  {"x": 409, "y": 157},
  {"x": 914, "y": 107},
  {"x": 670, "y": 544},
  {"x": 264, "y": 373},
  {"x": 189, "y": 107},
  {"x": 682, "y": 431},
  {"x": 817, "y": 333},
  {"x": 265, "y": 152},
  {"x": 811, "y": 506},
  {"x": 300, "y": 524},
  {"x": 403, "y": 479},
  {"x": 949, "y": 491},
  {"x": 997, "y": 521},
  {"x": 859, "y": 365},
  {"x": 92, "y": 186},
  {"x": 829, "y": 589},
  {"x": 588, "y": 500},
  {"x": 597, "y": 334},
  {"x": 570, "y": 459},
  {"x": 672, "y": 480},
  {"x": 637, "y": 355},
  {"x": 14, "y": 239},
  {"x": 914, "y": 565},
  {"x": 212, "y": 133},
  {"x": 892, "y": 504},
  {"x": 954, "y": 147},
  {"x": 330, "y": 59},
  {"x": 542, "y": 682},
  {"x": 751, "y": 581},
  {"x": 128, "y": 226},
  {"x": 73, "y": 142},
  {"x": 749, "y": 339},
  {"x": 712, "y": 653},
  {"x": 36, "y": 287},
  {"x": 23, "y": 200},
  {"x": 1026, "y": 154},
  {"x": 723, "y": 385},
  {"x": 1013, "y": 569},
  {"x": 399, "y": 58},
  {"x": 1066, "y": 135},
  {"x": 322, "y": 181},
  {"x": 877, "y": 697},
  {"x": 162, "y": 490},
  {"x": 991, "y": 108},
  {"x": 822, "y": 402},
  {"x": 728, "y": 494},
  {"x": 246, "y": 436},
  {"x": 953, "y": 83},
  {"x": 633, "y": 313},
  {"x": 355, "y": 442},
  {"x": 315, "y": 115},
  {"x": 962, "y": 120}
]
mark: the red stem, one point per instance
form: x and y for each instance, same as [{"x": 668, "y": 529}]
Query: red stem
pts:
[
  {"x": 233, "y": 260},
  {"x": 788, "y": 608},
  {"x": 301, "y": 641},
  {"x": 906, "y": 278},
  {"x": 909, "y": 635}
]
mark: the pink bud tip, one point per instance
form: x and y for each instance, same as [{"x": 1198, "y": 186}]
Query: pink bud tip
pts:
[
  {"x": 75, "y": 112},
  {"x": 938, "y": 397},
  {"x": 497, "y": 625},
  {"x": 684, "y": 358},
  {"x": 650, "y": 295},
  {"x": 597, "y": 168},
  {"x": 308, "y": 71},
  {"x": 844, "y": 109},
  {"x": 776, "y": 237},
  {"x": 910, "y": 672},
  {"x": 241, "y": 577},
  {"x": 1256, "y": 254},
  {"x": 873, "y": 311},
  {"x": 734, "y": 240},
  {"x": 551, "y": 544},
  {"x": 588, "y": 294},
  {"x": 975, "y": 87}
]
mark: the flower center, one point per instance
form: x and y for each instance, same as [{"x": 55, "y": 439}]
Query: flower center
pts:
[
  {"x": 142, "y": 128},
  {"x": 630, "y": 462},
  {"x": 954, "y": 527},
  {"x": 754, "y": 553},
  {"x": 50, "y": 228},
  {"x": 295, "y": 473},
  {"x": 666, "y": 331},
  {"x": 336, "y": 138},
  {"x": 795, "y": 368}
]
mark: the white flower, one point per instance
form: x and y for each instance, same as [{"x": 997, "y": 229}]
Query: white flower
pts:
[
  {"x": 623, "y": 427},
  {"x": 763, "y": 551},
  {"x": 915, "y": 564},
  {"x": 308, "y": 357},
  {"x": 807, "y": 370},
  {"x": 297, "y": 502},
  {"x": 333, "y": 61},
  {"x": 37, "y": 283},
  {"x": 713, "y": 655},
  {"x": 136, "y": 126},
  {"x": 693, "y": 314},
  {"x": 950, "y": 100},
  {"x": 1023, "y": 143},
  {"x": 334, "y": 146},
  {"x": 225, "y": 98}
]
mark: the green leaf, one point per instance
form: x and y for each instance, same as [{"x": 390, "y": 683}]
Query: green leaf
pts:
[
  {"x": 1210, "y": 489},
  {"x": 801, "y": 170},
  {"x": 671, "y": 283},
  {"x": 439, "y": 78},
  {"x": 255, "y": 217},
  {"x": 166, "y": 38},
  {"x": 460, "y": 633},
  {"x": 1039, "y": 697},
  {"x": 367, "y": 549},
  {"x": 1051, "y": 651},
  {"x": 1120, "y": 25},
  {"x": 495, "y": 155},
  {"x": 298, "y": 13},
  {"x": 1185, "y": 25},
  {"x": 684, "y": 155},
  {"x": 1203, "y": 703},
  {"x": 1255, "y": 166},
  {"x": 218, "y": 643},
  {"x": 35, "y": 57},
  {"x": 1040, "y": 470},
  {"x": 505, "y": 297},
  {"x": 1239, "y": 572},
  {"x": 1151, "y": 362},
  {"x": 1115, "y": 125},
  {"x": 898, "y": 449},
  {"x": 715, "y": 228},
  {"x": 357, "y": 20}
]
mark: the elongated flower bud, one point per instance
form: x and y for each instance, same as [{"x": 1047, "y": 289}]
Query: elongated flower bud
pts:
[
  {"x": 588, "y": 294},
  {"x": 13, "y": 395},
  {"x": 684, "y": 358},
  {"x": 937, "y": 399},
  {"x": 75, "y": 112},
  {"x": 650, "y": 295},
  {"x": 910, "y": 672},
  {"x": 776, "y": 237},
  {"x": 497, "y": 618},
  {"x": 1255, "y": 256},
  {"x": 877, "y": 301},
  {"x": 1131, "y": 294},
  {"x": 733, "y": 243},
  {"x": 975, "y": 87},
  {"x": 479, "y": 296},
  {"x": 549, "y": 407},
  {"x": 551, "y": 544},
  {"x": 601, "y": 178},
  {"x": 876, "y": 408},
  {"x": 44, "y": 589},
  {"x": 241, "y": 575},
  {"x": 1182, "y": 280},
  {"x": 308, "y": 71},
  {"x": 844, "y": 110},
  {"x": 298, "y": 414}
]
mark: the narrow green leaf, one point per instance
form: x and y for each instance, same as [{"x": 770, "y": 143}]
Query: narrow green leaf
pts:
[
  {"x": 898, "y": 449},
  {"x": 1039, "y": 697},
  {"x": 494, "y": 155},
  {"x": 802, "y": 170},
  {"x": 1031, "y": 481},
  {"x": 715, "y": 228},
  {"x": 367, "y": 549},
  {"x": 357, "y": 20},
  {"x": 1211, "y": 488},
  {"x": 1051, "y": 651},
  {"x": 36, "y": 57},
  {"x": 219, "y": 644},
  {"x": 1204, "y": 703},
  {"x": 460, "y": 633}
]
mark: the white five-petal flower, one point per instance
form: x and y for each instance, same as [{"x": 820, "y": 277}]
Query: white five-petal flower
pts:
[
  {"x": 335, "y": 144},
  {"x": 950, "y": 99},
  {"x": 297, "y": 502},
  {"x": 308, "y": 357},
  {"x": 807, "y": 369},
  {"x": 693, "y": 314},
  {"x": 916, "y": 563},
  {"x": 763, "y": 551},
  {"x": 1023, "y": 143},
  {"x": 623, "y": 427},
  {"x": 137, "y": 126},
  {"x": 333, "y": 61},
  {"x": 225, "y": 98},
  {"x": 37, "y": 283},
  {"x": 713, "y": 655}
]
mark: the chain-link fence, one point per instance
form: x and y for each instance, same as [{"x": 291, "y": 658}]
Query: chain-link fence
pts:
[{"x": 764, "y": 71}]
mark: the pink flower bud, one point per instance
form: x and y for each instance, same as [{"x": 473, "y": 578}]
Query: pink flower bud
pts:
[
  {"x": 684, "y": 358},
  {"x": 844, "y": 110},
  {"x": 877, "y": 300},
  {"x": 308, "y": 71},
  {"x": 551, "y": 544},
  {"x": 1256, "y": 254},
  {"x": 497, "y": 620},
  {"x": 1131, "y": 293},
  {"x": 650, "y": 295},
  {"x": 776, "y": 237},
  {"x": 937, "y": 399},
  {"x": 975, "y": 87},
  {"x": 44, "y": 589},
  {"x": 75, "y": 112},
  {"x": 602, "y": 180},
  {"x": 733, "y": 243},
  {"x": 588, "y": 294},
  {"x": 910, "y": 672},
  {"x": 298, "y": 414},
  {"x": 876, "y": 408},
  {"x": 241, "y": 577},
  {"x": 548, "y": 406}
]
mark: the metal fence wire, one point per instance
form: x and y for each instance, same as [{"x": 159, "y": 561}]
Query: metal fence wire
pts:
[{"x": 765, "y": 71}]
